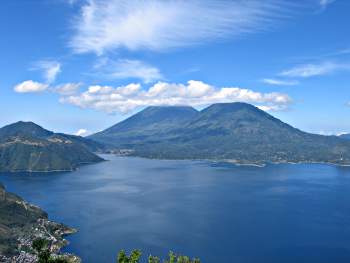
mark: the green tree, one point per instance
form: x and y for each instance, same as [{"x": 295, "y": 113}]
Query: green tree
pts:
[
  {"x": 133, "y": 258},
  {"x": 172, "y": 257},
  {"x": 44, "y": 256},
  {"x": 41, "y": 246},
  {"x": 136, "y": 255},
  {"x": 122, "y": 257},
  {"x": 153, "y": 259}
]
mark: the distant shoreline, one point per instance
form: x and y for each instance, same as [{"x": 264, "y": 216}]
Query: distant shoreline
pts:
[
  {"x": 53, "y": 171},
  {"x": 234, "y": 162},
  {"x": 293, "y": 163}
]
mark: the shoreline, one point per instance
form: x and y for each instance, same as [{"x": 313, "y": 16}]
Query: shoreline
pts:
[
  {"x": 32, "y": 225},
  {"x": 53, "y": 171},
  {"x": 236, "y": 162}
]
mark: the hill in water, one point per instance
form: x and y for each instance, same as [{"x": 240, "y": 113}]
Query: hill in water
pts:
[
  {"x": 25, "y": 146},
  {"x": 237, "y": 132}
]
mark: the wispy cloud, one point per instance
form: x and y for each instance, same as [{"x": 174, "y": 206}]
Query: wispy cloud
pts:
[
  {"x": 196, "y": 93},
  {"x": 158, "y": 25},
  {"x": 71, "y": 2},
  {"x": 67, "y": 88},
  {"x": 280, "y": 82},
  {"x": 126, "y": 69},
  {"x": 50, "y": 69},
  {"x": 311, "y": 70},
  {"x": 30, "y": 86},
  {"x": 325, "y": 3}
]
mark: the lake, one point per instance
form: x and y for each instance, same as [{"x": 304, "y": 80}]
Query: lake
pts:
[{"x": 218, "y": 212}]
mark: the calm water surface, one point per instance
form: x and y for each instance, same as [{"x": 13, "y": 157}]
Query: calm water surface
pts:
[{"x": 220, "y": 213}]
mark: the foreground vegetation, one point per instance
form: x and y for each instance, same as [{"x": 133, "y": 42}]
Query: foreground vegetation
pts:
[
  {"x": 135, "y": 257},
  {"x": 44, "y": 255},
  {"x": 42, "y": 248}
]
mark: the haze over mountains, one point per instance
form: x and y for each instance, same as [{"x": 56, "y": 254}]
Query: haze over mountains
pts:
[
  {"x": 238, "y": 132},
  {"x": 25, "y": 146}
]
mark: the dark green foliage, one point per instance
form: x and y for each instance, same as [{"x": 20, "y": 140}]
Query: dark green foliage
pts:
[
  {"x": 25, "y": 146},
  {"x": 135, "y": 256},
  {"x": 152, "y": 259},
  {"x": 173, "y": 258},
  {"x": 40, "y": 244},
  {"x": 44, "y": 254},
  {"x": 58, "y": 260},
  {"x": 238, "y": 132}
]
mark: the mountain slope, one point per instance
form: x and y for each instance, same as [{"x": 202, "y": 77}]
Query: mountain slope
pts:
[
  {"x": 25, "y": 146},
  {"x": 345, "y": 136},
  {"x": 22, "y": 128},
  {"x": 21, "y": 223},
  {"x": 153, "y": 122},
  {"x": 241, "y": 133}
]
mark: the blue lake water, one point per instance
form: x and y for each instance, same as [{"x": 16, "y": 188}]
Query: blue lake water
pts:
[{"x": 218, "y": 212}]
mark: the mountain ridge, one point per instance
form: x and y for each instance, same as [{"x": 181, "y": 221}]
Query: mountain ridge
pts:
[
  {"x": 238, "y": 132},
  {"x": 27, "y": 147},
  {"x": 153, "y": 120},
  {"x": 345, "y": 136}
]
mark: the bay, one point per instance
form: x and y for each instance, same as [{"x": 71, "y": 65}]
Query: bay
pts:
[{"x": 215, "y": 211}]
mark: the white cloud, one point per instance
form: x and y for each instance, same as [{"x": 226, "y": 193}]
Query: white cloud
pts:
[
  {"x": 279, "y": 82},
  {"x": 126, "y": 68},
  {"x": 272, "y": 107},
  {"x": 311, "y": 70},
  {"x": 81, "y": 132},
  {"x": 195, "y": 93},
  {"x": 325, "y": 3},
  {"x": 342, "y": 133},
  {"x": 29, "y": 86},
  {"x": 67, "y": 88},
  {"x": 157, "y": 25},
  {"x": 332, "y": 133},
  {"x": 50, "y": 68}
]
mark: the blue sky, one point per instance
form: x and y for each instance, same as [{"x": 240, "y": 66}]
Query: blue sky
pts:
[{"x": 83, "y": 65}]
